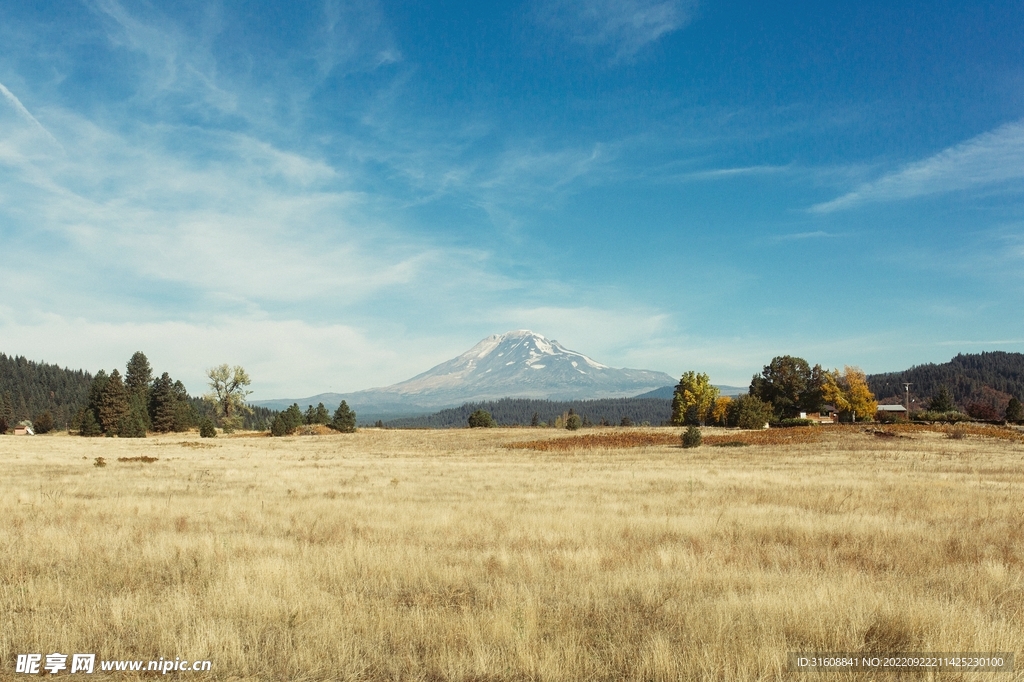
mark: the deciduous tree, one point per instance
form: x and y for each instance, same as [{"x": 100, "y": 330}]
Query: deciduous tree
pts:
[
  {"x": 1014, "y": 411},
  {"x": 228, "y": 393},
  {"x": 790, "y": 384},
  {"x": 693, "y": 400},
  {"x": 849, "y": 392},
  {"x": 720, "y": 410}
]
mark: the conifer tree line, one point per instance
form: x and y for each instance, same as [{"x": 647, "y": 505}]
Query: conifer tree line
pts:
[
  {"x": 138, "y": 402},
  {"x": 546, "y": 413},
  {"x": 288, "y": 422},
  {"x": 981, "y": 384},
  {"x": 45, "y": 394}
]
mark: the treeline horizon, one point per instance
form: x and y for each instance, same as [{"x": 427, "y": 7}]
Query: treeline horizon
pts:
[
  {"x": 539, "y": 412},
  {"x": 990, "y": 378},
  {"x": 48, "y": 393}
]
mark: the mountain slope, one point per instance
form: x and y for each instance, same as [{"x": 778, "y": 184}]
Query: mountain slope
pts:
[
  {"x": 517, "y": 364},
  {"x": 982, "y": 377}
]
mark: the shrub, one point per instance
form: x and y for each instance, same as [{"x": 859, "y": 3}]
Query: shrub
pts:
[
  {"x": 43, "y": 423},
  {"x": 931, "y": 416},
  {"x": 206, "y": 429},
  {"x": 691, "y": 437},
  {"x": 1014, "y": 411},
  {"x": 481, "y": 419},
  {"x": 750, "y": 412},
  {"x": 958, "y": 432},
  {"x": 797, "y": 422},
  {"x": 985, "y": 411},
  {"x": 573, "y": 422},
  {"x": 626, "y": 421}
]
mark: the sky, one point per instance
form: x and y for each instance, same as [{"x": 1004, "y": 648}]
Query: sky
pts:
[{"x": 339, "y": 195}]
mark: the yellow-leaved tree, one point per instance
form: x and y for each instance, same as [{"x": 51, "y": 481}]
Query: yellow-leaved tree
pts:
[
  {"x": 720, "y": 410},
  {"x": 849, "y": 392},
  {"x": 693, "y": 399}
]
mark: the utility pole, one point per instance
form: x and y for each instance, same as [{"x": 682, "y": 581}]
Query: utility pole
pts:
[{"x": 906, "y": 387}]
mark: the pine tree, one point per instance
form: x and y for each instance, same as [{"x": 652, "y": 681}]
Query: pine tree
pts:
[
  {"x": 321, "y": 415},
  {"x": 138, "y": 374},
  {"x": 138, "y": 377},
  {"x": 89, "y": 426},
  {"x": 344, "y": 419},
  {"x": 5, "y": 414},
  {"x": 1014, "y": 411},
  {"x": 162, "y": 404},
  {"x": 942, "y": 401},
  {"x": 113, "y": 404},
  {"x": 185, "y": 416}
]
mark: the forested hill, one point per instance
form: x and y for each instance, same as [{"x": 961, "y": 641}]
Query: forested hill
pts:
[
  {"x": 970, "y": 378},
  {"x": 521, "y": 411},
  {"x": 27, "y": 389}
]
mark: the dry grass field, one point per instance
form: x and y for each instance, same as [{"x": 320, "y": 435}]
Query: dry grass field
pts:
[{"x": 445, "y": 555}]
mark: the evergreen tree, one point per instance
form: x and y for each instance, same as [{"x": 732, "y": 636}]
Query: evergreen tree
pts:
[
  {"x": 43, "y": 423},
  {"x": 1014, "y": 411},
  {"x": 535, "y": 420},
  {"x": 286, "y": 423},
  {"x": 318, "y": 414},
  {"x": 344, "y": 419},
  {"x": 206, "y": 428},
  {"x": 113, "y": 405},
  {"x": 942, "y": 401},
  {"x": 138, "y": 377},
  {"x": 138, "y": 374},
  {"x": 5, "y": 414},
  {"x": 133, "y": 425},
  {"x": 162, "y": 404},
  {"x": 481, "y": 419},
  {"x": 89, "y": 426},
  {"x": 185, "y": 415}
]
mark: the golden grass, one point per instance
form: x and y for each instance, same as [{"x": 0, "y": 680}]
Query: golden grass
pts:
[{"x": 425, "y": 555}]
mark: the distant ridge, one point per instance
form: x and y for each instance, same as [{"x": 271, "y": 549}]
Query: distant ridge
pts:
[
  {"x": 667, "y": 392},
  {"x": 520, "y": 412},
  {"x": 991, "y": 377}
]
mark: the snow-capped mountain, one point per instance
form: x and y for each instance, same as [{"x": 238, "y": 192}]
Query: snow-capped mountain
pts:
[{"x": 517, "y": 364}]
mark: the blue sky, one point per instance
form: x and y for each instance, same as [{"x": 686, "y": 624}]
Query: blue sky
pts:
[{"x": 339, "y": 195}]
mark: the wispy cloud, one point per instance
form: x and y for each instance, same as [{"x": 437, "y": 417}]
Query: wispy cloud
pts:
[
  {"x": 624, "y": 27},
  {"x": 726, "y": 173},
  {"x": 797, "y": 236},
  {"x": 25, "y": 113},
  {"x": 990, "y": 158}
]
